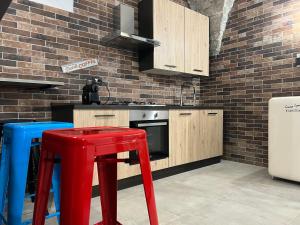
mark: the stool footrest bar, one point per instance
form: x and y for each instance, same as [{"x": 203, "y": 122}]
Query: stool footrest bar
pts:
[
  {"x": 101, "y": 223},
  {"x": 108, "y": 160}
]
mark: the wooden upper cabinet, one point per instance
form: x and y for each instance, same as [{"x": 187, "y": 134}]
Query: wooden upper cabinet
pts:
[
  {"x": 183, "y": 35},
  {"x": 196, "y": 43},
  {"x": 168, "y": 28}
]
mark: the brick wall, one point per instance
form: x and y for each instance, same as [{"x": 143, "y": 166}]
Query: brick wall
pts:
[
  {"x": 256, "y": 63},
  {"x": 36, "y": 39}
]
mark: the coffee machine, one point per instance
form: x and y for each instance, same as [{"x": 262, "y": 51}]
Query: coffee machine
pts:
[{"x": 90, "y": 91}]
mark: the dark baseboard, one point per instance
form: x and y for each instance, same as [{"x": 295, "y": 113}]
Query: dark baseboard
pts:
[{"x": 137, "y": 180}]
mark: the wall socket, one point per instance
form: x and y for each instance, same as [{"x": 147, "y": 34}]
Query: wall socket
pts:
[{"x": 298, "y": 60}]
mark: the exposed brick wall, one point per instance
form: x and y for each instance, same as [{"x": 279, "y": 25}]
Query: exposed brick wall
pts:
[
  {"x": 256, "y": 63},
  {"x": 36, "y": 39}
]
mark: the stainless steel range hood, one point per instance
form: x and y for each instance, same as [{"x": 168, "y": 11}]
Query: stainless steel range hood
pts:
[{"x": 123, "y": 35}]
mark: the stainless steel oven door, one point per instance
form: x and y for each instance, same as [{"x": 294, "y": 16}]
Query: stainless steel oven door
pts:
[{"x": 157, "y": 138}]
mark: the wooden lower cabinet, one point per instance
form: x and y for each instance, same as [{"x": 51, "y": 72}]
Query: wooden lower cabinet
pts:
[
  {"x": 211, "y": 130},
  {"x": 93, "y": 118},
  {"x": 119, "y": 118},
  {"x": 195, "y": 135},
  {"x": 183, "y": 130}
]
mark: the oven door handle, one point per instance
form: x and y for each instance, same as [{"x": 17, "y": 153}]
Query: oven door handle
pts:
[{"x": 152, "y": 124}]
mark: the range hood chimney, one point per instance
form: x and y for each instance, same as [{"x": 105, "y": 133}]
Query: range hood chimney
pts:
[{"x": 123, "y": 35}]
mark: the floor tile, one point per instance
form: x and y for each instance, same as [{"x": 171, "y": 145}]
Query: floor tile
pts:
[{"x": 227, "y": 193}]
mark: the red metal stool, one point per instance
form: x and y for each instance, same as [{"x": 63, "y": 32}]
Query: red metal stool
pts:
[{"x": 78, "y": 149}]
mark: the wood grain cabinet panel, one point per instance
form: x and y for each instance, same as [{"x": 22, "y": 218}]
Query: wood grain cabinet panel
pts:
[
  {"x": 119, "y": 118},
  {"x": 196, "y": 43},
  {"x": 94, "y": 118},
  {"x": 211, "y": 132},
  {"x": 195, "y": 135},
  {"x": 162, "y": 20},
  {"x": 90, "y": 118},
  {"x": 184, "y": 135},
  {"x": 168, "y": 28},
  {"x": 183, "y": 35}
]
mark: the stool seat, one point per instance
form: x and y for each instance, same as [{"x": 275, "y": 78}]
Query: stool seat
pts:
[
  {"x": 98, "y": 137},
  {"x": 78, "y": 149}
]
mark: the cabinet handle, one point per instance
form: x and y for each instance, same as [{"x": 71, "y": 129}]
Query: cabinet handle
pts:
[
  {"x": 212, "y": 114},
  {"x": 97, "y": 116},
  {"x": 171, "y": 66},
  {"x": 185, "y": 114},
  {"x": 196, "y": 70}
]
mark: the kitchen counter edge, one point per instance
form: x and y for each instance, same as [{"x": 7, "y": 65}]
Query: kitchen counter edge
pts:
[{"x": 140, "y": 107}]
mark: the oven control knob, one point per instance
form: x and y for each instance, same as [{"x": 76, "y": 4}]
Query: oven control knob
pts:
[
  {"x": 155, "y": 115},
  {"x": 144, "y": 115}
]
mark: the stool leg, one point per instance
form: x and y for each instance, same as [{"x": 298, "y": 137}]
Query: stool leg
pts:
[
  {"x": 3, "y": 178},
  {"x": 19, "y": 158},
  {"x": 107, "y": 173},
  {"x": 56, "y": 187},
  {"x": 147, "y": 181},
  {"x": 77, "y": 167},
  {"x": 46, "y": 165}
]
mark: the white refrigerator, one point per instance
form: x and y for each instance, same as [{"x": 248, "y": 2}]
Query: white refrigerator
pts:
[{"x": 284, "y": 138}]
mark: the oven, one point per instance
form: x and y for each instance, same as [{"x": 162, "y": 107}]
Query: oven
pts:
[{"x": 156, "y": 125}]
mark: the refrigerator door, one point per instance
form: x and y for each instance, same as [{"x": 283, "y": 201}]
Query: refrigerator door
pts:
[{"x": 284, "y": 138}]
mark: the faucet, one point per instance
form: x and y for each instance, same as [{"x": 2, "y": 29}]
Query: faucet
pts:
[
  {"x": 194, "y": 96},
  {"x": 181, "y": 95}
]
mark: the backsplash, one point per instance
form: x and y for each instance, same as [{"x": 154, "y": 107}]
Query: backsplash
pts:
[
  {"x": 36, "y": 39},
  {"x": 256, "y": 63}
]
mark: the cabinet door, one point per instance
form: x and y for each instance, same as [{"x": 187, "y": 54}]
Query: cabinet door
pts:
[
  {"x": 92, "y": 118},
  {"x": 196, "y": 43},
  {"x": 168, "y": 28},
  {"x": 211, "y": 130},
  {"x": 184, "y": 134}
]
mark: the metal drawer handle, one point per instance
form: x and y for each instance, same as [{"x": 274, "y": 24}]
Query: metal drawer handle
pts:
[
  {"x": 105, "y": 115},
  {"x": 171, "y": 66},
  {"x": 152, "y": 124},
  {"x": 185, "y": 114},
  {"x": 196, "y": 70},
  {"x": 212, "y": 114}
]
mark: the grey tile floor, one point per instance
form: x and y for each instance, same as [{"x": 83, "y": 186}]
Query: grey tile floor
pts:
[{"x": 228, "y": 193}]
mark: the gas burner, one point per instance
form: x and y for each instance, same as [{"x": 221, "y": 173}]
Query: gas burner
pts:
[
  {"x": 145, "y": 104},
  {"x": 136, "y": 103},
  {"x": 120, "y": 103}
]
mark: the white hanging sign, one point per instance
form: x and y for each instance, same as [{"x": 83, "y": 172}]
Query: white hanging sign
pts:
[
  {"x": 79, "y": 65},
  {"x": 65, "y": 4}
]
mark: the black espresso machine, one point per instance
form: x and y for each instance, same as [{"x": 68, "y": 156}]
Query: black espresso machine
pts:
[{"x": 90, "y": 91}]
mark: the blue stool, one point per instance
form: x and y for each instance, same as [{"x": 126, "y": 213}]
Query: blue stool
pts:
[{"x": 17, "y": 142}]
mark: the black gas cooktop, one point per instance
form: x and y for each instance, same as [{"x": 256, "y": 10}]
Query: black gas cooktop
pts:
[{"x": 135, "y": 103}]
